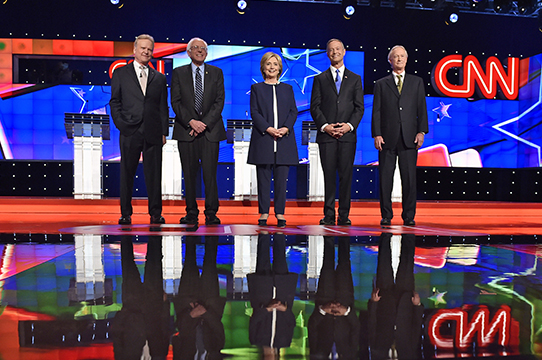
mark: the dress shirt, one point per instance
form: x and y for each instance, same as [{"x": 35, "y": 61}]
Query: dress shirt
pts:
[
  {"x": 334, "y": 74},
  {"x": 402, "y": 75},
  {"x": 202, "y": 72},
  {"x": 139, "y": 70}
]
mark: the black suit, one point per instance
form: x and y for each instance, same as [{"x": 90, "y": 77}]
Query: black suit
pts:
[
  {"x": 337, "y": 155},
  {"x": 205, "y": 146},
  {"x": 398, "y": 118},
  {"x": 142, "y": 121}
]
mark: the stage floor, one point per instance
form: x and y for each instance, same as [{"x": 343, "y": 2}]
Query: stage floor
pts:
[{"x": 66, "y": 271}]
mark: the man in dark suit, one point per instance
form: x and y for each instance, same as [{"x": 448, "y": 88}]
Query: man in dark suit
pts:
[
  {"x": 139, "y": 110},
  {"x": 197, "y": 97},
  {"x": 399, "y": 125},
  {"x": 337, "y": 108}
]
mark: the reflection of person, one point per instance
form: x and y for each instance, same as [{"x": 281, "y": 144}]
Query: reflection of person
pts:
[
  {"x": 199, "y": 306},
  {"x": 334, "y": 319},
  {"x": 271, "y": 291},
  {"x": 139, "y": 110},
  {"x": 197, "y": 97},
  {"x": 272, "y": 143},
  {"x": 143, "y": 322},
  {"x": 395, "y": 310},
  {"x": 337, "y": 108},
  {"x": 399, "y": 124}
]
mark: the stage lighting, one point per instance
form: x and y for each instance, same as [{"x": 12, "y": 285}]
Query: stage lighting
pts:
[
  {"x": 526, "y": 7},
  {"x": 348, "y": 8},
  {"x": 451, "y": 15},
  {"x": 115, "y": 2},
  {"x": 502, "y": 6},
  {"x": 242, "y": 6},
  {"x": 478, "y": 5}
]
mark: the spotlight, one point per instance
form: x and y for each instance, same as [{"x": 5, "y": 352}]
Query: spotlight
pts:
[
  {"x": 526, "y": 7},
  {"x": 502, "y": 6},
  {"x": 478, "y": 5},
  {"x": 348, "y": 8},
  {"x": 242, "y": 6},
  {"x": 451, "y": 15}
]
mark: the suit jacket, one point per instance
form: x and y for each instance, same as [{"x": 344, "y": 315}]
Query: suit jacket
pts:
[
  {"x": 182, "y": 101},
  {"x": 261, "y": 150},
  {"x": 329, "y": 107},
  {"x": 397, "y": 114},
  {"x": 130, "y": 108}
]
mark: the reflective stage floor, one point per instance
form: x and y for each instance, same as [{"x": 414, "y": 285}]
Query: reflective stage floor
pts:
[{"x": 463, "y": 283}]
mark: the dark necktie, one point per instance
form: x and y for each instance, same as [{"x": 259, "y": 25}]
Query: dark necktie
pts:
[
  {"x": 399, "y": 83},
  {"x": 338, "y": 81},
  {"x": 198, "y": 96}
]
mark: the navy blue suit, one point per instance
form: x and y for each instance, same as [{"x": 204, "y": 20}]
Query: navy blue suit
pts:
[
  {"x": 337, "y": 155},
  {"x": 261, "y": 150}
]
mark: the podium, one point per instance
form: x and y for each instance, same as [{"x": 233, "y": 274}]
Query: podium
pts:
[
  {"x": 316, "y": 174},
  {"x": 246, "y": 185},
  {"x": 88, "y": 132},
  {"x": 172, "y": 173}
]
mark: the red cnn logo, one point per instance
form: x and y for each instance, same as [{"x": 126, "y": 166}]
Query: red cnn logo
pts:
[
  {"x": 119, "y": 63},
  {"x": 501, "y": 329},
  {"x": 472, "y": 72}
]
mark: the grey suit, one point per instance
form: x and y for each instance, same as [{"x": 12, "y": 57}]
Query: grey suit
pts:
[
  {"x": 398, "y": 118},
  {"x": 337, "y": 155},
  {"x": 205, "y": 146}
]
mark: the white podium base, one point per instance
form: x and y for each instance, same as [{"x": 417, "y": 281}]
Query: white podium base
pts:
[
  {"x": 172, "y": 187},
  {"x": 316, "y": 174},
  {"x": 246, "y": 184},
  {"x": 87, "y": 167}
]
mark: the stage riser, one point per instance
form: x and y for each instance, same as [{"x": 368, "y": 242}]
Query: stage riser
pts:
[{"x": 55, "y": 178}]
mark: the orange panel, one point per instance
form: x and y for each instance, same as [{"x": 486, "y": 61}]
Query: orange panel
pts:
[
  {"x": 5, "y": 46},
  {"x": 6, "y": 61},
  {"x": 22, "y": 46},
  {"x": 42, "y": 47},
  {"x": 6, "y": 77},
  {"x": 123, "y": 49},
  {"x": 104, "y": 48},
  {"x": 63, "y": 47}
]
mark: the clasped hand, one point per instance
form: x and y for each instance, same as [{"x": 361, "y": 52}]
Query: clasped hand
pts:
[
  {"x": 277, "y": 133},
  {"x": 337, "y": 130},
  {"x": 197, "y": 127}
]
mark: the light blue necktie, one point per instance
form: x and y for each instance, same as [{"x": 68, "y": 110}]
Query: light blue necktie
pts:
[{"x": 338, "y": 81}]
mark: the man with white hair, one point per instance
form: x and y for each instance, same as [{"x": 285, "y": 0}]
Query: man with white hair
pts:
[
  {"x": 197, "y": 97},
  {"x": 399, "y": 124}
]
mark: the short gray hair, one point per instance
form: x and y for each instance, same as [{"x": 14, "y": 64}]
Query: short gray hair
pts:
[
  {"x": 189, "y": 46},
  {"x": 144, "y": 37},
  {"x": 397, "y": 47}
]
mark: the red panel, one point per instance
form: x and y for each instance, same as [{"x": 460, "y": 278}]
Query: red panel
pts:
[
  {"x": 6, "y": 61},
  {"x": 63, "y": 47},
  {"x": 82, "y": 48},
  {"x": 22, "y": 46},
  {"x": 103, "y": 48},
  {"x": 6, "y": 76},
  {"x": 434, "y": 156},
  {"x": 123, "y": 49},
  {"x": 5, "y": 46}
]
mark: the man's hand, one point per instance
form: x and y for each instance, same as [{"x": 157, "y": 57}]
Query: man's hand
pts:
[
  {"x": 336, "y": 130},
  {"x": 164, "y": 140},
  {"x": 197, "y": 310},
  {"x": 419, "y": 140},
  {"x": 197, "y": 127},
  {"x": 375, "y": 294},
  {"x": 415, "y": 299},
  {"x": 379, "y": 140}
]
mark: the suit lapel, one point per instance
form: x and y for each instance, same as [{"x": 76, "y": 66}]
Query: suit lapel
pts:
[
  {"x": 329, "y": 78},
  {"x": 390, "y": 81}
]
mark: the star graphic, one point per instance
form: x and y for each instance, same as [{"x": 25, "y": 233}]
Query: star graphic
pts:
[
  {"x": 499, "y": 126},
  {"x": 442, "y": 110},
  {"x": 438, "y": 297}
]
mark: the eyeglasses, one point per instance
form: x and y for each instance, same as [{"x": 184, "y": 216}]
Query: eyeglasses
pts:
[{"x": 196, "y": 47}]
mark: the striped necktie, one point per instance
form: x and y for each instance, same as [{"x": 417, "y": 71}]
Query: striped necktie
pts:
[
  {"x": 399, "y": 83},
  {"x": 338, "y": 81},
  {"x": 143, "y": 79},
  {"x": 198, "y": 95}
]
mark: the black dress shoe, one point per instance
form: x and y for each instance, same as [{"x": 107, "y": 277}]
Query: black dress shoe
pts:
[
  {"x": 212, "y": 220},
  {"x": 385, "y": 222},
  {"x": 158, "y": 220},
  {"x": 125, "y": 220},
  {"x": 409, "y": 222},
  {"x": 327, "y": 221},
  {"x": 344, "y": 222},
  {"x": 189, "y": 220},
  {"x": 262, "y": 222},
  {"x": 281, "y": 223}
]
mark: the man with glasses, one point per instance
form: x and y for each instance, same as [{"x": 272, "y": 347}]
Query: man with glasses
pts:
[{"x": 197, "y": 97}]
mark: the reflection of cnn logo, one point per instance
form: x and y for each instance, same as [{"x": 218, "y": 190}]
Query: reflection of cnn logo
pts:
[
  {"x": 472, "y": 73},
  {"x": 121, "y": 63},
  {"x": 473, "y": 327}
]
